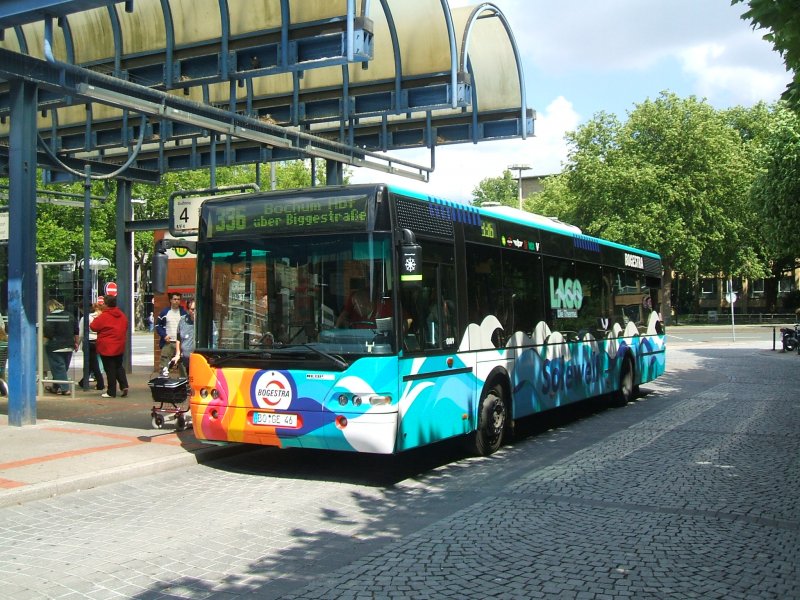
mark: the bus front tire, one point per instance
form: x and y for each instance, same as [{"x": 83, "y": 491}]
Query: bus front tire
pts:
[
  {"x": 626, "y": 390},
  {"x": 492, "y": 422}
]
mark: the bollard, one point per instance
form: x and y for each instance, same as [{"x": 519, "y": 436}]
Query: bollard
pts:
[{"x": 773, "y": 339}]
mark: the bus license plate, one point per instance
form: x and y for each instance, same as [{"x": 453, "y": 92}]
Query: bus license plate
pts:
[{"x": 275, "y": 419}]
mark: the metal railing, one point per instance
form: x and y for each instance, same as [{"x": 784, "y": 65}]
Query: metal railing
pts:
[{"x": 724, "y": 318}]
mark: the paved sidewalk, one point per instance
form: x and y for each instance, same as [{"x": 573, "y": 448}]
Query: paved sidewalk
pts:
[{"x": 88, "y": 441}]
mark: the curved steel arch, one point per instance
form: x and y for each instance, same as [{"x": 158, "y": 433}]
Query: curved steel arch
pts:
[
  {"x": 21, "y": 39},
  {"x": 398, "y": 59},
  {"x": 451, "y": 34},
  {"x": 169, "y": 49},
  {"x": 496, "y": 12},
  {"x": 116, "y": 32},
  {"x": 69, "y": 43}
]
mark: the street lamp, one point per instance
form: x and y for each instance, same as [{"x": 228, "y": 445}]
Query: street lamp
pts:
[
  {"x": 95, "y": 265},
  {"x": 519, "y": 168}
]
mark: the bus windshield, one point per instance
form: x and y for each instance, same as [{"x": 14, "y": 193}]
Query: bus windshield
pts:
[{"x": 328, "y": 294}]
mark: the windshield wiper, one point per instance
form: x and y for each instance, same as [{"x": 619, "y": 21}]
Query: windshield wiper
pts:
[
  {"x": 260, "y": 354},
  {"x": 334, "y": 359},
  {"x": 278, "y": 350}
]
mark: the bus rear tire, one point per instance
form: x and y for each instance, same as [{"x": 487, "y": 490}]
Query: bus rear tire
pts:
[
  {"x": 492, "y": 423},
  {"x": 626, "y": 391}
]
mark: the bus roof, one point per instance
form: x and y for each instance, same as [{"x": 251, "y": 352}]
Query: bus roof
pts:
[{"x": 522, "y": 217}]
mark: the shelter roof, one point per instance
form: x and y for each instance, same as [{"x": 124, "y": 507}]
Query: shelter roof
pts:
[{"x": 194, "y": 83}]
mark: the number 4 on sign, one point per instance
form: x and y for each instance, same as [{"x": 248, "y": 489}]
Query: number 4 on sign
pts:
[{"x": 184, "y": 215}]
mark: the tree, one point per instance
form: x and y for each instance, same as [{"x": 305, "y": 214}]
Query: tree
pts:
[
  {"x": 497, "y": 189},
  {"x": 777, "y": 189},
  {"x": 782, "y": 19},
  {"x": 554, "y": 200},
  {"x": 674, "y": 179}
]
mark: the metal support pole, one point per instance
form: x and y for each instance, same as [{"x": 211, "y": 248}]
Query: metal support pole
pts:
[
  {"x": 519, "y": 169},
  {"x": 39, "y": 330},
  {"x": 732, "y": 299},
  {"x": 334, "y": 172},
  {"x": 123, "y": 260},
  {"x": 22, "y": 254},
  {"x": 87, "y": 271}
]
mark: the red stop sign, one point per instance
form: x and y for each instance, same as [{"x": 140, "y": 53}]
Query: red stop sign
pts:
[{"x": 111, "y": 288}]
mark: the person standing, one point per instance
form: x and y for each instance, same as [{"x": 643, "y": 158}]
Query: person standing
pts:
[
  {"x": 112, "y": 329},
  {"x": 358, "y": 308},
  {"x": 185, "y": 340},
  {"x": 61, "y": 333},
  {"x": 167, "y": 329},
  {"x": 94, "y": 363}
]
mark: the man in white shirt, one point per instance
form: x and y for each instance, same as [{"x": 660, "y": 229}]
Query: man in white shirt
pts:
[{"x": 167, "y": 329}]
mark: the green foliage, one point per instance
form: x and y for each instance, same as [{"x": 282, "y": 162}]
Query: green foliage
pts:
[
  {"x": 60, "y": 228},
  {"x": 674, "y": 179},
  {"x": 555, "y": 199},
  {"x": 497, "y": 189},
  {"x": 782, "y": 20},
  {"x": 777, "y": 189},
  {"x": 294, "y": 175}
]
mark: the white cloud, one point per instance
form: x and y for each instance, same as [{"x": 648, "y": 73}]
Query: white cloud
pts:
[
  {"x": 460, "y": 168},
  {"x": 721, "y": 55},
  {"x": 728, "y": 82},
  {"x": 619, "y": 34}
]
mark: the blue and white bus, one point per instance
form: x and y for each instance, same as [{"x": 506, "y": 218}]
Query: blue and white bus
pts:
[{"x": 368, "y": 318}]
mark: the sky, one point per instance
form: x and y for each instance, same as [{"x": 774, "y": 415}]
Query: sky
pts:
[{"x": 581, "y": 57}]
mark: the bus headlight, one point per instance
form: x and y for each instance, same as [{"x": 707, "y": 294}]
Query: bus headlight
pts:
[{"x": 359, "y": 399}]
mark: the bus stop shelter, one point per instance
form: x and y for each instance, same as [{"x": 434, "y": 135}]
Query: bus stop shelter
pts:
[{"x": 129, "y": 90}]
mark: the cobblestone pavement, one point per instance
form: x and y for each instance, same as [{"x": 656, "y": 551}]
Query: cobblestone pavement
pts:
[{"x": 691, "y": 492}]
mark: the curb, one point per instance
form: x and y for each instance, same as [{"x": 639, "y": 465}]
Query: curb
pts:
[{"x": 77, "y": 483}]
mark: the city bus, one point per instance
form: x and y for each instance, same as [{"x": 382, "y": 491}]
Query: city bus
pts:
[{"x": 368, "y": 318}]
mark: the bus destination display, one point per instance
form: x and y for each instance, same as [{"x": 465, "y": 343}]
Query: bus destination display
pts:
[{"x": 265, "y": 216}]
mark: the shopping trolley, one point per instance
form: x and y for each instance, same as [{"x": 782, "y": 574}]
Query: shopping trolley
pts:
[{"x": 171, "y": 395}]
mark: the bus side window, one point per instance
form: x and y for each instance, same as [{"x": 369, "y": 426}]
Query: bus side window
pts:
[
  {"x": 449, "y": 326},
  {"x": 429, "y": 311},
  {"x": 412, "y": 317}
]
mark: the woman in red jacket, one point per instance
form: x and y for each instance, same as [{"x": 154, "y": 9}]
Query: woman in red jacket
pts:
[{"x": 112, "y": 330}]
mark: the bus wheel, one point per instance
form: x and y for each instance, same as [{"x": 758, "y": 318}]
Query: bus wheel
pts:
[
  {"x": 491, "y": 423},
  {"x": 625, "y": 393}
]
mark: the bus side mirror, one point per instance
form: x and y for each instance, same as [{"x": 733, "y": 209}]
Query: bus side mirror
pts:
[
  {"x": 159, "y": 272},
  {"x": 160, "y": 260},
  {"x": 410, "y": 260}
]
